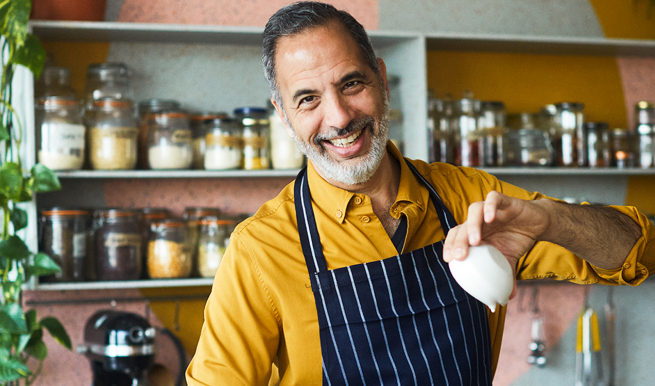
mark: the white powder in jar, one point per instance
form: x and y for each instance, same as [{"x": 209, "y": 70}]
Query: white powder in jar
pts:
[
  {"x": 59, "y": 161},
  {"x": 218, "y": 158},
  {"x": 170, "y": 157},
  {"x": 113, "y": 148}
]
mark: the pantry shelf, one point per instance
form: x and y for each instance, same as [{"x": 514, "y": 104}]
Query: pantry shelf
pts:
[
  {"x": 107, "y": 174},
  {"x": 555, "y": 171},
  {"x": 102, "y": 285}
]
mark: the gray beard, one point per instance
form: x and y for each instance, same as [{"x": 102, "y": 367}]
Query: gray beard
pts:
[{"x": 365, "y": 167}]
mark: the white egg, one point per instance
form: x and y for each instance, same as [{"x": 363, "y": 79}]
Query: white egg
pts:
[{"x": 485, "y": 274}]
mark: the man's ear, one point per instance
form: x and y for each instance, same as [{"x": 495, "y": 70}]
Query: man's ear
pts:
[
  {"x": 281, "y": 115},
  {"x": 383, "y": 75}
]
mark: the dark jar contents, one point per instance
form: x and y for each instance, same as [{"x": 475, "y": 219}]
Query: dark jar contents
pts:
[
  {"x": 63, "y": 238},
  {"x": 169, "y": 255},
  {"x": 118, "y": 248}
]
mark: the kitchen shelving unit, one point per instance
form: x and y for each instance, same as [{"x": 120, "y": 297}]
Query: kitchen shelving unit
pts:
[{"x": 404, "y": 53}]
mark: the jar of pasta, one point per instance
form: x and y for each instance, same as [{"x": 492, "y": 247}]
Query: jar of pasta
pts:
[
  {"x": 113, "y": 135},
  {"x": 146, "y": 109},
  {"x": 169, "y": 141},
  {"x": 223, "y": 145},
  {"x": 169, "y": 255},
  {"x": 60, "y": 133},
  {"x": 214, "y": 239},
  {"x": 255, "y": 137},
  {"x": 118, "y": 245}
]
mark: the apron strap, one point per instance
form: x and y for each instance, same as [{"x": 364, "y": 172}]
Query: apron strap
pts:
[{"x": 309, "y": 238}]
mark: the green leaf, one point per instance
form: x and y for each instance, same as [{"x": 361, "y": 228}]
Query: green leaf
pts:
[
  {"x": 37, "y": 349},
  {"x": 42, "y": 265},
  {"x": 26, "y": 193},
  {"x": 14, "y": 15},
  {"x": 30, "y": 320},
  {"x": 31, "y": 55},
  {"x": 11, "y": 180},
  {"x": 44, "y": 179},
  {"x": 57, "y": 331},
  {"x": 4, "y": 354},
  {"x": 14, "y": 248},
  {"x": 13, "y": 369},
  {"x": 12, "y": 318},
  {"x": 4, "y": 134},
  {"x": 18, "y": 217}
]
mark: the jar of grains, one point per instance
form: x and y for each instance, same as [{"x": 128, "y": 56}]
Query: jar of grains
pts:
[
  {"x": 63, "y": 237},
  {"x": 192, "y": 215},
  {"x": 214, "y": 239},
  {"x": 199, "y": 125},
  {"x": 169, "y": 255},
  {"x": 146, "y": 109},
  {"x": 169, "y": 140},
  {"x": 118, "y": 245},
  {"x": 61, "y": 134},
  {"x": 255, "y": 137},
  {"x": 148, "y": 216},
  {"x": 113, "y": 135},
  {"x": 223, "y": 145}
]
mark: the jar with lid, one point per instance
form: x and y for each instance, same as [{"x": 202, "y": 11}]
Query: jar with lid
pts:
[
  {"x": 441, "y": 129},
  {"x": 214, "y": 239},
  {"x": 598, "y": 144},
  {"x": 54, "y": 81},
  {"x": 106, "y": 80},
  {"x": 60, "y": 133},
  {"x": 491, "y": 128},
  {"x": 63, "y": 237},
  {"x": 200, "y": 122},
  {"x": 223, "y": 149},
  {"x": 169, "y": 255},
  {"x": 255, "y": 137},
  {"x": 467, "y": 138},
  {"x": 528, "y": 147},
  {"x": 118, "y": 245},
  {"x": 192, "y": 215},
  {"x": 624, "y": 151},
  {"x": 113, "y": 135},
  {"x": 284, "y": 152},
  {"x": 169, "y": 141},
  {"x": 645, "y": 131},
  {"x": 570, "y": 142},
  {"x": 148, "y": 216},
  {"x": 146, "y": 109}
]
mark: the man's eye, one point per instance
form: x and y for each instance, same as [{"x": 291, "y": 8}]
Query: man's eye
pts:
[
  {"x": 352, "y": 84},
  {"x": 307, "y": 99}
]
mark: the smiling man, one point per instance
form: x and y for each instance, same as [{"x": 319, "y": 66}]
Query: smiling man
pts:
[{"x": 342, "y": 278}]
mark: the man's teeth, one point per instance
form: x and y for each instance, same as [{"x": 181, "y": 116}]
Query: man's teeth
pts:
[{"x": 344, "y": 142}]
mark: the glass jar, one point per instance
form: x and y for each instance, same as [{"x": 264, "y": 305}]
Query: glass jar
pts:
[
  {"x": 491, "y": 128},
  {"x": 54, "y": 81},
  {"x": 223, "y": 148},
  {"x": 146, "y": 109},
  {"x": 598, "y": 144},
  {"x": 118, "y": 245},
  {"x": 645, "y": 131},
  {"x": 200, "y": 122},
  {"x": 284, "y": 152},
  {"x": 113, "y": 135},
  {"x": 441, "y": 129},
  {"x": 467, "y": 148},
  {"x": 169, "y": 141},
  {"x": 570, "y": 141},
  {"x": 148, "y": 216},
  {"x": 255, "y": 137},
  {"x": 192, "y": 215},
  {"x": 528, "y": 147},
  {"x": 63, "y": 237},
  {"x": 213, "y": 240},
  {"x": 169, "y": 255},
  {"x": 106, "y": 80},
  {"x": 61, "y": 133},
  {"x": 624, "y": 151}
]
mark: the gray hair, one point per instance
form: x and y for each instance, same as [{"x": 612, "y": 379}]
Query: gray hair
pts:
[{"x": 298, "y": 17}]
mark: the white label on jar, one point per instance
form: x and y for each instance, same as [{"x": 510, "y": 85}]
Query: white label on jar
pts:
[
  {"x": 62, "y": 136},
  {"x": 57, "y": 242},
  {"x": 79, "y": 245},
  {"x": 123, "y": 240}
]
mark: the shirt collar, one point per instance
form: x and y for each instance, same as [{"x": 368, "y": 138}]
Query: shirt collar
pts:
[{"x": 334, "y": 201}]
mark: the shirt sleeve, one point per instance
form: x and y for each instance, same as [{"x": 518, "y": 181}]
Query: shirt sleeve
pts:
[{"x": 240, "y": 334}]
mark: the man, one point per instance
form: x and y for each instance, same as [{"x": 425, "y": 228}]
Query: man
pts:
[{"x": 341, "y": 278}]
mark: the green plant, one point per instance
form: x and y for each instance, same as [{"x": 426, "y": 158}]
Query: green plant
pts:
[{"x": 21, "y": 334}]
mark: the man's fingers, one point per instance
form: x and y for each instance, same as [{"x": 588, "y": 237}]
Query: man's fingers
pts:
[
  {"x": 491, "y": 204},
  {"x": 474, "y": 223}
]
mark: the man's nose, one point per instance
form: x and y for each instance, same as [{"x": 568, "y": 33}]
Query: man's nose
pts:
[{"x": 338, "y": 112}]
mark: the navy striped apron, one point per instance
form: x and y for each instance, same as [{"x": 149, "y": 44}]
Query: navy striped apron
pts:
[{"x": 403, "y": 320}]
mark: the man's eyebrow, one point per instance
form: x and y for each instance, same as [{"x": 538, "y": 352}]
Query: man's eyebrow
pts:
[{"x": 353, "y": 75}]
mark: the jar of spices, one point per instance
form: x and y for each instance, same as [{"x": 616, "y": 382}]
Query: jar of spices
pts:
[
  {"x": 491, "y": 128},
  {"x": 199, "y": 125},
  {"x": 169, "y": 141},
  {"x": 146, "y": 109},
  {"x": 467, "y": 138},
  {"x": 284, "y": 152},
  {"x": 214, "y": 239},
  {"x": 645, "y": 131},
  {"x": 624, "y": 151},
  {"x": 106, "y": 80},
  {"x": 113, "y": 135},
  {"x": 223, "y": 145},
  {"x": 63, "y": 237},
  {"x": 255, "y": 137},
  {"x": 60, "y": 133},
  {"x": 118, "y": 240},
  {"x": 169, "y": 255},
  {"x": 598, "y": 144},
  {"x": 570, "y": 142}
]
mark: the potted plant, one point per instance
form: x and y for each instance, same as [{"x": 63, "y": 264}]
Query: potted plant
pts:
[{"x": 21, "y": 333}]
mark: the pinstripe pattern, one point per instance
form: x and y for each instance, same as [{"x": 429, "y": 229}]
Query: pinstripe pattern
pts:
[{"x": 401, "y": 320}]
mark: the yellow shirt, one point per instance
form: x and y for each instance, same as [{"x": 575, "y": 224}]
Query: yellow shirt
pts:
[{"x": 262, "y": 311}]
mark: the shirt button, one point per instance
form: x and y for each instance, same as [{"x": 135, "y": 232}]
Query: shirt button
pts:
[
  {"x": 643, "y": 272},
  {"x": 366, "y": 219},
  {"x": 358, "y": 200},
  {"x": 339, "y": 214},
  {"x": 626, "y": 265}
]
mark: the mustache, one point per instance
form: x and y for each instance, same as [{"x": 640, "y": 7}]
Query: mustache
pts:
[{"x": 354, "y": 125}]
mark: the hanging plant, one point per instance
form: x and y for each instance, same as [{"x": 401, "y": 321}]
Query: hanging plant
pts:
[{"x": 21, "y": 333}]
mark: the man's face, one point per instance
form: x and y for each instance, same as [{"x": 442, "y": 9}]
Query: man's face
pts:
[{"x": 334, "y": 102}]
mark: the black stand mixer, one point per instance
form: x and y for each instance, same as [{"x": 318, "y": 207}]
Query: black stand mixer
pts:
[{"x": 121, "y": 349}]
